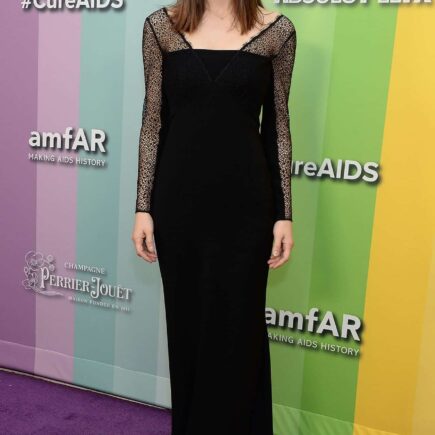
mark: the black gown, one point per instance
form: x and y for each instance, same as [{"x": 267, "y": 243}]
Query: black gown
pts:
[{"x": 215, "y": 185}]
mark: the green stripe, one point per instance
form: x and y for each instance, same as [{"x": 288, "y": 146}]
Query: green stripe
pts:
[
  {"x": 289, "y": 421},
  {"x": 363, "y": 45},
  {"x": 140, "y": 336},
  {"x": 101, "y": 98},
  {"x": 289, "y": 286}
]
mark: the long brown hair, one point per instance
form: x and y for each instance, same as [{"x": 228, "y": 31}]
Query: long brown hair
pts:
[{"x": 186, "y": 14}]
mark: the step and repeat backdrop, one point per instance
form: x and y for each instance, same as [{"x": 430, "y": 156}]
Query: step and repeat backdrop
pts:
[{"x": 350, "y": 317}]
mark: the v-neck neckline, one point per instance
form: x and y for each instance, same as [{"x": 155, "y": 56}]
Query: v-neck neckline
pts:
[{"x": 236, "y": 51}]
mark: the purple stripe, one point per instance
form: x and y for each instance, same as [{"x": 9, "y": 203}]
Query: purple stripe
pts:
[
  {"x": 18, "y": 96},
  {"x": 58, "y": 108}
]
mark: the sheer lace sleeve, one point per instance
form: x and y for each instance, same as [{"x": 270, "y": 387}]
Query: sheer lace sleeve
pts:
[
  {"x": 275, "y": 126},
  {"x": 151, "y": 117}
]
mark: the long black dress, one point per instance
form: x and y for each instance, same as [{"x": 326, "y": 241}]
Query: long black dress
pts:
[{"x": 214, "y": 186}]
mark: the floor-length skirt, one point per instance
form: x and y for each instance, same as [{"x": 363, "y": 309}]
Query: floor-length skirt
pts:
[{"x": 213, "y": 228}]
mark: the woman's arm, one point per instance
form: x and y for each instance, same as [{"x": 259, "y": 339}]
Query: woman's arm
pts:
[
  {"x": 276, "y": 135},
  {"x": 149, "y": 141},
  {"x": 151, "y": 118},
  {"x": 275, "y": 127}
]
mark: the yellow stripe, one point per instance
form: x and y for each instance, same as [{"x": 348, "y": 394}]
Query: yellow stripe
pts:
[
  {"x": 424, "y": 415},
  {"x": 403, "y": 232}
]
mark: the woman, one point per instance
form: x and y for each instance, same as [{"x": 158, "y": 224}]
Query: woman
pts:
[{"x": 214, "y": 194}]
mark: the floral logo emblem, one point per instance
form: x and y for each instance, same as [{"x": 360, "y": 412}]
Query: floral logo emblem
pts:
[{"x": 35, "y": 262}]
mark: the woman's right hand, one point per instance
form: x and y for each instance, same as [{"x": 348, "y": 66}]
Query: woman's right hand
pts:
[{"x": 143, "y": 237}]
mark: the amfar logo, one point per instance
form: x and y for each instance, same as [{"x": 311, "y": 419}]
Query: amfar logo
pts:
[
  {"x": 37, "y": 266},
  {"x": 39, "y": 272},
  {"x": 70, "y": 140}
]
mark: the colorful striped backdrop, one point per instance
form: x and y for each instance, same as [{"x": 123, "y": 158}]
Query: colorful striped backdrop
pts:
[{"x": 363, "y": 90}]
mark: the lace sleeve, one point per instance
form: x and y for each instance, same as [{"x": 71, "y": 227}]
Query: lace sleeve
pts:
[
  {"x": 275, "y": 127},
  {"x": 151, "y": 117}
]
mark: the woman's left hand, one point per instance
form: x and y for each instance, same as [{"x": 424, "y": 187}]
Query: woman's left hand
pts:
[{"x": 282, "y": 243}]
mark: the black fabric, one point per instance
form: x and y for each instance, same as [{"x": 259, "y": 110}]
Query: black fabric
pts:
[
  {"x": 215, "y": 60},
  {"x": 165, "y": 49}
]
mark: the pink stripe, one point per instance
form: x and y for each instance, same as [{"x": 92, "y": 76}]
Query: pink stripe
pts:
[
  {"x": 59, "y": 98},
  {"x": 18, "y": 96}
]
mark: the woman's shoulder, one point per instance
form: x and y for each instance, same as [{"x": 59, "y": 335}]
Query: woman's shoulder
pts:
[
  {"x": 157, "y": 16},
  {"x": 283, "y": 22}
]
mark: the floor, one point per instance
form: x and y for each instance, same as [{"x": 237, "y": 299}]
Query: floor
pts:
[{"x": 31, "y": 405}]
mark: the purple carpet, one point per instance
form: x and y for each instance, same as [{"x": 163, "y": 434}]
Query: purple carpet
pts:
[{"x": 34, "y": 406}]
